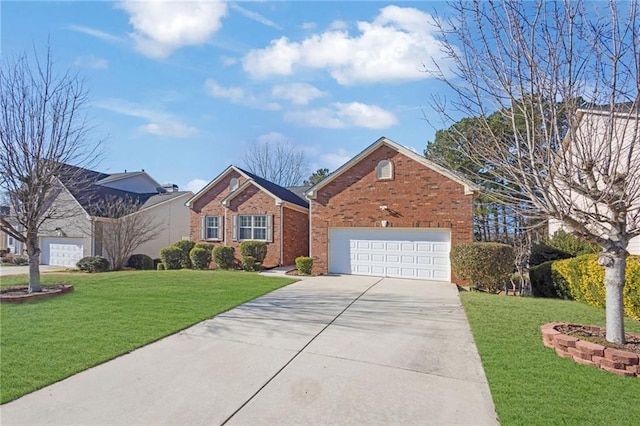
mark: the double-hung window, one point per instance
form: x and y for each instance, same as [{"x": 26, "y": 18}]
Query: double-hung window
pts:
[
  {"x": 212, "y": 227},
  {"x": 253, "y": 227}
]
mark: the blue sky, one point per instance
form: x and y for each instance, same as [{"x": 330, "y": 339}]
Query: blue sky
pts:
[{"x": 181, "y": 89}]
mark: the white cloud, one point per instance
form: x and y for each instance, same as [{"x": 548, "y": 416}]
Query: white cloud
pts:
[
  {"x": 91, "y": 61},
  {"x": 308, "y": 26},
  {"x": 228, "y": 61},
  {"x": 162, "y": 26},
  {"x": 195, "y": 185},
  {"x": 159, "y": 123},
  {"x": 393, "y": 47},
  {"x": 297, "y": 93},
  {"x": 104, "y": 36},
  {"x": 343, "y": 115},
  {"x": 339, "y": 25},
  {"x": 239, "y": 96},
  {"x": 173, "y": 129},
  {"x": 333, "y": 160},
  {"x": 254, "y": 16},
  {"x": 273, "y": 137}
]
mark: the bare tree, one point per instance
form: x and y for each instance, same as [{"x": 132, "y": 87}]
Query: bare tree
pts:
[
  {"x": 125, "y": 227},
  {"x": 42, "y": 128},
  {"x": 277, "y": 161},
  {"x": 532, "y": 66}
]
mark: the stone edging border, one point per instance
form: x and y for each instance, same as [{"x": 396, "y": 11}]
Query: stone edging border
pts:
[
  {"x": 60, "y": 289},
  {"x": 612, "y": 360}
]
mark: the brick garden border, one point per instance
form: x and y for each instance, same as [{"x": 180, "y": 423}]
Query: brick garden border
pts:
[
  {"x": 51, "y": 292},
  {"x": 612, "y": 360}
]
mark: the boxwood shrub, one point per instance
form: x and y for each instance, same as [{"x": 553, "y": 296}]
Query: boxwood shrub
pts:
[
  {"x": 93, "y": 264},
  {"x": 185, "y": 247},
  {"x": 200, "y": 257},
  {"x": 255, "y": 249},
  {"x": 224, "y": 256},
  {"x": 171, "y": 257},
  {"x": 250, "y": 264},
  {"x": 304, "y": 265},
  {"x": 486, "y": 265},
  {"x": 140, "y": 261}
]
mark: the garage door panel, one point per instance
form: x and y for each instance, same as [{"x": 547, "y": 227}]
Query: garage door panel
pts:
[
  {"x": 403, "y": 253},
  {"x": 61, "y": 251}
]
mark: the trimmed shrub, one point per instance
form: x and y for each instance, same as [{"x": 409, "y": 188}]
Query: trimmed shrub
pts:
[
  {"x": 200, "y": 257},
  {"x": 157, "y": 261},
  {"x": 19, "y": 260},
  {"x": 224, "y": 256},
  {"x": 140, "y": 261},
  {"x": 250, "y": 264},
  {"x": 487, "y": 265},
  {"x": 585, "y": 281},
  {"x": 547, "y": 283},
  {"x": 93, "y": 264},
  {"x": 160, "y": 266},
  {"x": 255, "y": 249},
  {"x": 206, "y": 246},
  {"x": 304, "y": 265},
  {"x": 571, "y": 244},
  {"x": 185, "y": 247},
  {"x": 171, "y": 257},
  {"x": 541, "y": 253}
]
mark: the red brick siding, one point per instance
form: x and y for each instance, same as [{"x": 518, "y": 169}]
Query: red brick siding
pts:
[
  {"x": 255, "y": 202},
  {"x": 417, "y": 197},
  {"x": 296, "y": 235}
]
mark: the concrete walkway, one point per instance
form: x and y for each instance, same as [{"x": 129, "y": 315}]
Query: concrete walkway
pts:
[{"x": 326, "y": 350}]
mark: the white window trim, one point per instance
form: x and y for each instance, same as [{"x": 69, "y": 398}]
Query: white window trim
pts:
[
  {"x": 379, "y": 169},
  {"x": 268, "y": 219},
  {"x": 204, "y": 228}
]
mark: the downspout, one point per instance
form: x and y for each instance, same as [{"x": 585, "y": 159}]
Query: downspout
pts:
[{"x": 281, "y": 234}]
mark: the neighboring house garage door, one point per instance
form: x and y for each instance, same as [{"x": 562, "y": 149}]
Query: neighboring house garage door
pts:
[
  {"x": 61, "y": 251},
  {"x": 401, "y": 253}
]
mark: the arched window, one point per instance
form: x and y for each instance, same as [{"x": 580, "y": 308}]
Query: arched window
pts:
[
  {"x": 384, "y": 170},
  {"x": 233, "y": 184}
]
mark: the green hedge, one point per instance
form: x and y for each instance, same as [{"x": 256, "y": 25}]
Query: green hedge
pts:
[
  {"x": 250, "y": 264},
  {"x": 486, "y": 265},
  {"x": 200, "y": 257},
  {"x": 171, "y": 257},
  {"x": 140, "y": 262},
  {"x": 185, "y": 247},
  {"x": 547, "y": 283},
  {"x": 255, "y": 249},
  {"x": 224, "y": 256},
  {"x": 584, "y": 280},
  {"x": 304, "y": 264},
  {"x": 93, "y": 264}
]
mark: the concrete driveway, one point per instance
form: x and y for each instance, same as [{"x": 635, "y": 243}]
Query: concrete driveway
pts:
[
  {"x": 326, "y": 350},
  {"x": 19, "y": 270}
]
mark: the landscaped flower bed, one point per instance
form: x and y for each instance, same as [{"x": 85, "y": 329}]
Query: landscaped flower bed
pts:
[{"x": 613, "y": 360}]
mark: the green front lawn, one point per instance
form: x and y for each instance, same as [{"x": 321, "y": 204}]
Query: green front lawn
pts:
[
  {"x": 530, "y": 384},
  {"x": 108, "y": 315}
]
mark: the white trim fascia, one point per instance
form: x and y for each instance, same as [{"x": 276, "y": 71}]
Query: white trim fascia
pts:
[
  {"x": 469, "y": 187},
  {"x": 164, "y": 202},
  {"x": 295, "y": 207},
  {"x": 214, "y": 182},
  {"x": 128, "y": 175},
  {"x": 245, "y": 185}
]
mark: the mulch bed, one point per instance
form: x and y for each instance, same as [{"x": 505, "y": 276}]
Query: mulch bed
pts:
[{"x": 598, "y": 335}]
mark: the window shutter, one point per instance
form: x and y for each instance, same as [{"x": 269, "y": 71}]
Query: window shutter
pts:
[
  {"x": 220, "y": 227},
  {"x": 203, "y": 228},
  {"x": 269, "y": 228},
  {"x": 234, "y": 227}
]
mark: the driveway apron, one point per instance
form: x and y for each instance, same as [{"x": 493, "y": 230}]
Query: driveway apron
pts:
[{"x": 325, "y": 350}]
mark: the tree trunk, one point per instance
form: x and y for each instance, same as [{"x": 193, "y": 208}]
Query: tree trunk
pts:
[
  {"x": 33, "y": 251},
  {"x": 614, "y": 262}
]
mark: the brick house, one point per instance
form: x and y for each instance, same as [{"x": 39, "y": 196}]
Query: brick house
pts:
[
  {"x": 389, "y": 212},
  {"x": 238, "y": 205}
]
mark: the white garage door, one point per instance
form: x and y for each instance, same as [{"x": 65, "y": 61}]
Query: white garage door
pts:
[
  {"x": 61, "y": 251},
  {"x": 388, "y": 252}
]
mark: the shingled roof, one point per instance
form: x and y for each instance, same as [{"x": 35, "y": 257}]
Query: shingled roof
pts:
[
  {"x": 277, "y": 190},
  {"x": 84, "y": 186}
]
